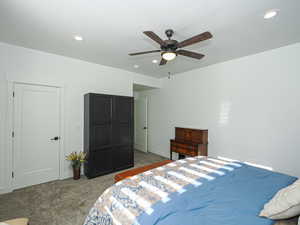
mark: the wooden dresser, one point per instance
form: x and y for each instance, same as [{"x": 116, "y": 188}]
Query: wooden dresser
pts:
[{"x": 189, "y": 142}]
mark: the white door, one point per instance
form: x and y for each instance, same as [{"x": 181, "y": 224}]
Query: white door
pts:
[
  {"x": 140, "y": 124},
  {"x": 36, "y": 141}
]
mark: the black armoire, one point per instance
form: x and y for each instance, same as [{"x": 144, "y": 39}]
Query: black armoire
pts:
[{"x": 108, "y": 133}]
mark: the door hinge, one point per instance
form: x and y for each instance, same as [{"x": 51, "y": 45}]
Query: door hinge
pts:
[
  {"x": 13, "y": 134},
  {"x": 12, "y": 174},
  {"x": 13, "y": 94}
]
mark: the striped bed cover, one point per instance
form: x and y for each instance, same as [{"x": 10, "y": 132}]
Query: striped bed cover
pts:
[{"x": 196, "y": 190}]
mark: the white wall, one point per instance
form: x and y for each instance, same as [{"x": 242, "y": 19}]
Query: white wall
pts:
[
  {"x": 77, "y": 77},
  {"x": 249, "y": 105}
]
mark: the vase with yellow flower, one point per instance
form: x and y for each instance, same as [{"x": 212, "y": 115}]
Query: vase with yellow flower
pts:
[{"x": 76, "y": 160}]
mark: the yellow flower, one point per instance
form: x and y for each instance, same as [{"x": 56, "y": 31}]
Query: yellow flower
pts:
[{"x": 76, "y": 157}]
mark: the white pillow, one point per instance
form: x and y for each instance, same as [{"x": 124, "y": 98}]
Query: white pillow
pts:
[{"x": 285, "y": 204}]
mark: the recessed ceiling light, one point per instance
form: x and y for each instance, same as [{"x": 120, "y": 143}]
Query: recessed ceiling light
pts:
[
  {"x": 154, "y": 61},
  {"x": 136, "y": 66},
  {"x": 271, "y": 13},
  {"x": 78, "y": 38}
]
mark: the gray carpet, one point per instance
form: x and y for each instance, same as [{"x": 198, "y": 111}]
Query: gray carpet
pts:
[{"x": 63, "y": 202}]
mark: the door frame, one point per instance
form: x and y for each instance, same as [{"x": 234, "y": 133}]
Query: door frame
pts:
[
  {"x": 145, "y": 98},
  {"x": 10, "y": 127}
]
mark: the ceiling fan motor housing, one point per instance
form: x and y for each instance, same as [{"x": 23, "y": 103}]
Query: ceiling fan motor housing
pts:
[{"x": 170, "y": 45}]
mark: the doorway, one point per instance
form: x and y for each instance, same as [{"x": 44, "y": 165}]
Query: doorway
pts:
[
  {"x": 140, "y": 124},
  {"x": 36, "y": 134}
]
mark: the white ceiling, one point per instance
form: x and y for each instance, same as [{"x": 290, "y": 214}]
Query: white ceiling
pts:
[{"x": 112, "y": 29}]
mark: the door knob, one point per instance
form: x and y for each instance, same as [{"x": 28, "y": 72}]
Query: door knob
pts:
[
  {"x": 55, "y": 138},
  {"x": 145, "y": 128}
]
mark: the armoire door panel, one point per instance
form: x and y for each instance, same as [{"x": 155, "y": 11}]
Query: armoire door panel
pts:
[
  {"x": 101, "y": 109},
  {"x": 100, "y": 162},
  {"x": 123, "y": 109},
  {"x": 123, "y": 134},
  {"x": 123, "y": 157},
  {"x": 101, "y": 136}
]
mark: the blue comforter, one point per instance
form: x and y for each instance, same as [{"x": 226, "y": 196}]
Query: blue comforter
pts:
[
  {"x": 234, "y": 199},
  {"x": 218, "y": 197}
]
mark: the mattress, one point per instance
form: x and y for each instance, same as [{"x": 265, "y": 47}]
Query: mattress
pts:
[{"x": 193, "y": 191}]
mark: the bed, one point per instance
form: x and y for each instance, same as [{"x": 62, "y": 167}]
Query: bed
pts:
[{"x": 196, "y": 190}]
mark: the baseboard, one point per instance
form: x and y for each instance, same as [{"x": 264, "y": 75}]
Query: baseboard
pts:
[
  {"x": 5, "y": 190},
  {"x": 166, "y": 155},
  {"x": 138, "y": 147}
]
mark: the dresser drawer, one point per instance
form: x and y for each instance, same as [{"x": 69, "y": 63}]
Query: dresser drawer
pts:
[
  {"x": 179, "y": 145},
  {"x": 182, "y": 145},
  {"x": 184, "y": 151}
]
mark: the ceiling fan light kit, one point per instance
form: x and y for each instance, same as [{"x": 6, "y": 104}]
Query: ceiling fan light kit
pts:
[
  {"x": 169, "y": 48},
  {"x": 168, "y": 55}
]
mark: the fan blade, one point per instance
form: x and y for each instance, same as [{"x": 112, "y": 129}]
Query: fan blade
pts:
[
  {"x": 193, "y": 40},
  {"x": 154, "y": 37},
  {"x": 140, "y": 53},
  {"x": 163, "y": 62},
  {"x": 190, "y": 54}
]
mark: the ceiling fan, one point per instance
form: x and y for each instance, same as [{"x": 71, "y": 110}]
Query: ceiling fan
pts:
[{"x": 169, "y": 48}]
